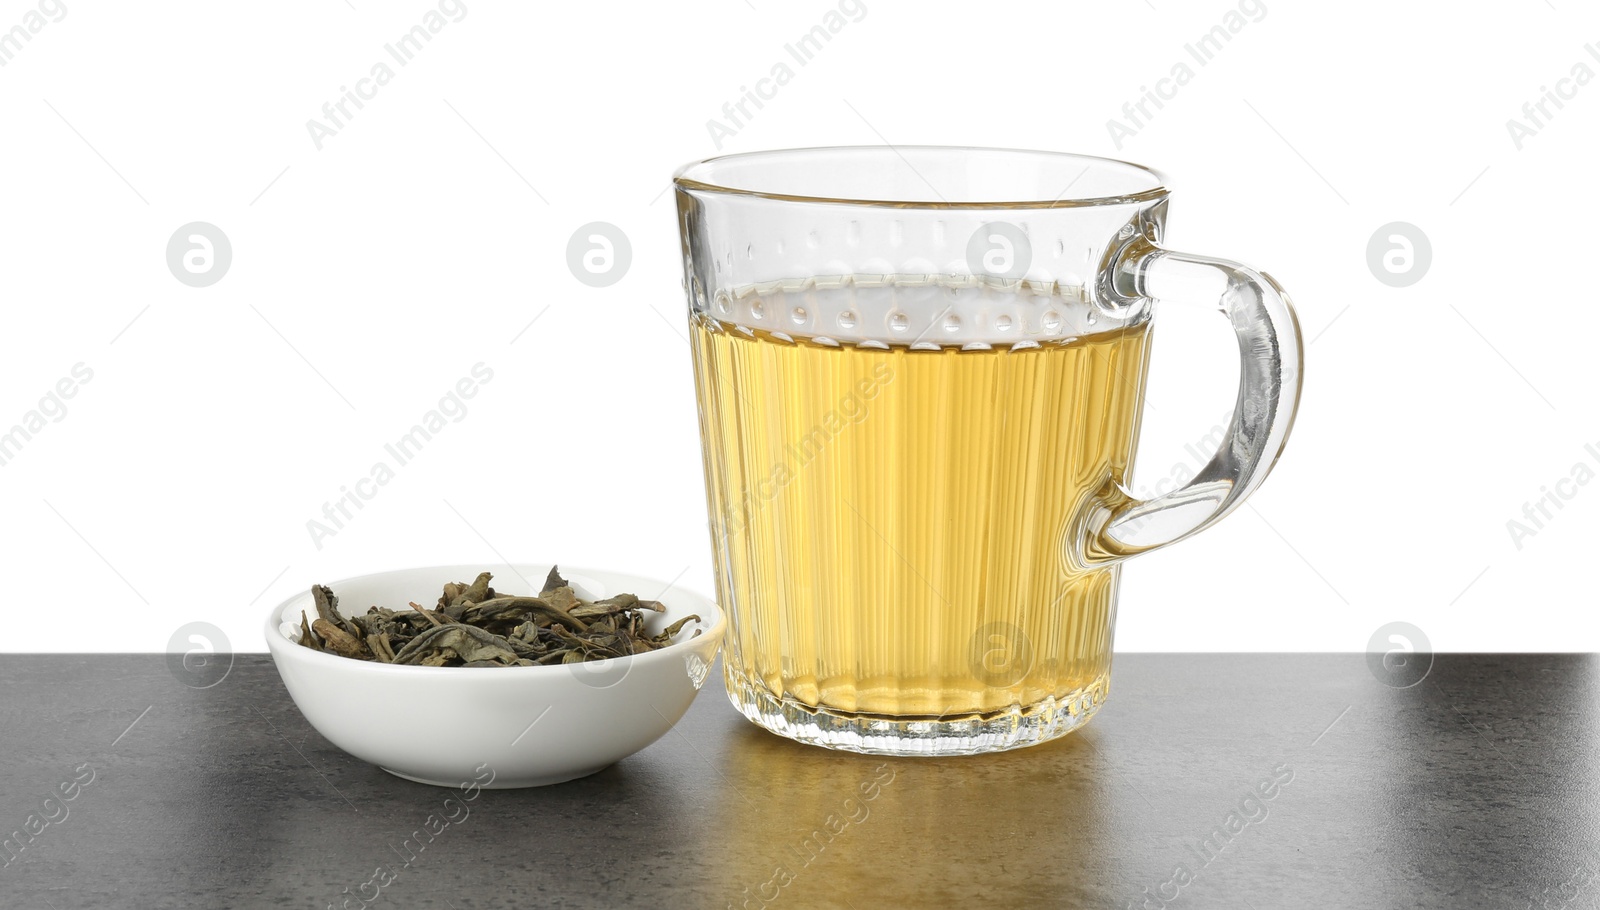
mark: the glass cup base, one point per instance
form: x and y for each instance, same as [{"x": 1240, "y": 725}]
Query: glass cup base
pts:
[{"x": 869, "y": 734}]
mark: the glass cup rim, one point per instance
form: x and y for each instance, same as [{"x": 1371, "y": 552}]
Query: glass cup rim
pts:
[{"x": 692, "y": 177}]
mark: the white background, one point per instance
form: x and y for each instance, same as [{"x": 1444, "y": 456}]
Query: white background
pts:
[{"x": 370, "y": 275}]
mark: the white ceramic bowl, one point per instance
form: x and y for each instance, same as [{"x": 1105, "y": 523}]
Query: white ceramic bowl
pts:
[{"x": 528, "y": 726}]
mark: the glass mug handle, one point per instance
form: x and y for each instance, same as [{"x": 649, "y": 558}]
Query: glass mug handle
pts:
[{"x": 1119, "y": 525}]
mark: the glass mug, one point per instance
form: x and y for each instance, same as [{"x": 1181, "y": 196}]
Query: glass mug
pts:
[{"x": 920, "y": 376}]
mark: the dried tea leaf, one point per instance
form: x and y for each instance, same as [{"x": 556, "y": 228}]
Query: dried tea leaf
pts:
[
  {"x": 467, "y": 643},
  {"x": 379, "y": 644},
  {"x": 524, "y": 649},
  {"x": 588, "y": 646},
  {"x": 672, "y": 630},
  {"x": 327, "y": 603},
  {"x": 306, "y": 638},
  {"x": 563, "y": 598},
  {"x": 328, "y": 608},
  {"x": 554, "y": 580},
  {"x": 607, "y": 607},
  {"x": 477, "y": 591},
  {"x": 339, "y": 641},
  {"x": 508, "y": 608}
]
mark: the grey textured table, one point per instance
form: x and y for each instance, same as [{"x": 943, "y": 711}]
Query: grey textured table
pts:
[{"x": 1478, "y": 787}]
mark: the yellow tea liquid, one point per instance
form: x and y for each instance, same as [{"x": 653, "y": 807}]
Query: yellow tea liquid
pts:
[{"x": 891, "y": 526}]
